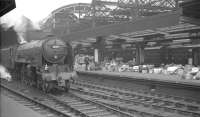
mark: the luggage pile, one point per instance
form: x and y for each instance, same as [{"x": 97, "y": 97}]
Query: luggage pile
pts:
[{"x": 184, "y": 72}]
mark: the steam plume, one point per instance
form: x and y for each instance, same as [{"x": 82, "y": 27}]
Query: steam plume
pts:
[
  {"x": 4, "y": 74},
  {"x": 22, "y": 25}
]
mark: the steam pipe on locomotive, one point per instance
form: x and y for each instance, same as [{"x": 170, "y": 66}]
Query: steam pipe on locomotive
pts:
[{"x": 46, "y": 63}]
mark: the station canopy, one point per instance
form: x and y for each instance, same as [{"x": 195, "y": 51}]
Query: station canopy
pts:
[
  {"x": 172, "y": 28},
  {"x": 151, "y": 22},
  {"x": 178, "y": 35}
]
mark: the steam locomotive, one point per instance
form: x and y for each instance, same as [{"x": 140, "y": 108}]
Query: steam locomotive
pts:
[{"x": 46, "y": 64}]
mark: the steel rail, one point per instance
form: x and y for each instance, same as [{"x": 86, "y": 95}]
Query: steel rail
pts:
[
  {"x": 90, "y": 101},
  {"x": 30, "y": 99},
  {"x": 56, "y": 104},
  {"x": 142, "y": 99}
]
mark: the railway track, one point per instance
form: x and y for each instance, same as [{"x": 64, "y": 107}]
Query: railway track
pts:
[
  {"x": 66, "y": 105},
  {"x": 141, "y": 104},
  {"x": 30, "y": 102},
  {"x": 90, "y": 108}
]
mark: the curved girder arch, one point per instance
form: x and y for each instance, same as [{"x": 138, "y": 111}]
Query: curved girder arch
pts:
[
  {"x": 78, "y": 9},
  {"x": 79, "y": 16}
]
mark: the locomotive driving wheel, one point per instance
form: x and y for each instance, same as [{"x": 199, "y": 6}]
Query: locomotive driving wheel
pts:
[
  {"x": 22, "y": 75},
  {"x": 67, "y": 85},
  {"x": 39, "y": 82},
  {"x": 45, "y": 87},
  {"x": 38, "y": 85}
]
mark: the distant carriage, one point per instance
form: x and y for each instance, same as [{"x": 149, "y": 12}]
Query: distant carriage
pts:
[{"x": 46, "y": 63}]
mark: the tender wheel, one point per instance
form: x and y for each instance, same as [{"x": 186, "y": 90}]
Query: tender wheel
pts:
[
  {"x": 45, "y": 87},
  {"x": 67, "y": 85},
  {"x": 23, "y": 75},
  {"x": 39, "y": 84},
  {"x": 23, "y": 80}
]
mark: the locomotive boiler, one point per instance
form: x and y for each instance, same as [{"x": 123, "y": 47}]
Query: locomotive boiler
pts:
[{"x": 46, "y": 63}]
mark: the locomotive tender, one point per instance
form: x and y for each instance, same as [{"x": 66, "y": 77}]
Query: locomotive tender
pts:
[{"x": 46, "y": 64}]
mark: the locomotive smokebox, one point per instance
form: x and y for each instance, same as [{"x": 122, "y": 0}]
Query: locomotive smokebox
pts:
[{"x": 54, "y": 50}]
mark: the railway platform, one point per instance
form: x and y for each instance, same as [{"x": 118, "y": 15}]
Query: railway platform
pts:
[
  {"x": 145, "y": 77},
  {"x": 12, "y": 108},
  {"x": 164, "y": 84}
]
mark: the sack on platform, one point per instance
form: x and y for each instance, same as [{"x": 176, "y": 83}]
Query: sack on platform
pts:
[
  {"x": 187, "y": 76},
  {"x": 197, "y": 76},
  {"x": 180, "y": 72}
]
